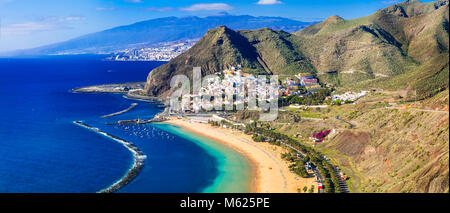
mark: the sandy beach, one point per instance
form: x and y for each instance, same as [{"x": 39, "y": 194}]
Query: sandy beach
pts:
[{"x": 271, "y": 173}]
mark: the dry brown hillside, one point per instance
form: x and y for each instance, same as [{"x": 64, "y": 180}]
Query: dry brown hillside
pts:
[
  {"x": 396, "y": 150},
  {"x": 393, "y": 44},
  {"x": 393, "y": 146}
]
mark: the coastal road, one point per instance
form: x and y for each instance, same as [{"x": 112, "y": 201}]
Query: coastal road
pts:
[
  {"x": 342, "y": 183},
  {"x": 343, "y": 187}
]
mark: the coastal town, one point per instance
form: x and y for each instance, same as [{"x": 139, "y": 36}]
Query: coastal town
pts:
[
  {"x": 159, "y": 52},
  {"x": 239, "y": 90},
  {"x": 234, "y": 89}
]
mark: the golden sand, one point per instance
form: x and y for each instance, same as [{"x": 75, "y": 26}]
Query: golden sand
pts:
[{"x": 272, "y": 174}]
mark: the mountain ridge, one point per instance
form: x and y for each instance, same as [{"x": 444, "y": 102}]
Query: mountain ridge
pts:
[{"x": 160, "y": 30}]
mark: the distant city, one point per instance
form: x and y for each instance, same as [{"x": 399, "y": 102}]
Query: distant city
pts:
[{"x": 164, "y": 51}]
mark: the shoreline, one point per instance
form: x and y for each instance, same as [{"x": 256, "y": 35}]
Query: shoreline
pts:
[
  {"x": 255, "y": 173},
  {"x": 270, "y": 174},
  {"x": 133, "y": 171}
]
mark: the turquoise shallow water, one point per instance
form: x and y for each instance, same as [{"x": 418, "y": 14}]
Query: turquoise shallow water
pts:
[
  {"x": 41, "y": 150},
  {"x": 234, "y": 169}
]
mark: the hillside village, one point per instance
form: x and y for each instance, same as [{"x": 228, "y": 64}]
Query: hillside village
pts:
[{"x": 245, "y": 88}]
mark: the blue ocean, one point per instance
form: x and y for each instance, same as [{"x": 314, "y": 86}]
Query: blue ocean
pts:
[{"x": 41, "y": 150}]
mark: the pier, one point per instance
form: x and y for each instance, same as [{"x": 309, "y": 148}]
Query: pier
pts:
[
  {"x": 133, "y": 105},
  {"x": 138, "y": 121},
  {"x": 138, "y": 159}
]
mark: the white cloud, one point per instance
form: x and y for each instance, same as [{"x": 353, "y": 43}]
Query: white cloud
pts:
[
  {"x": 159, "y": 9},
  {"x": 269, "y": 2},
  {"x": 28, "y": 28},
  {"x": 212, "y": 6},
  {"x": 71, "y": 18},
  {"x": 61, "y": 19},
  {"x": 390, "y": 2},
  {"x": 105, "y": 8},
  {"x": 49, "y": 23}
]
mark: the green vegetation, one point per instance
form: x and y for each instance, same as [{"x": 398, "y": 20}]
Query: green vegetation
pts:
[
  {"x": 299, "y": 169},
  {"x": 315, "y": 98},
  {"x": 310, "y": 114},
  {"x": 278, "y": 52},
  {"x": 214, "y": 123},
  {"x": 311, "y": 189},
  {"x": 258, "y": 138}
]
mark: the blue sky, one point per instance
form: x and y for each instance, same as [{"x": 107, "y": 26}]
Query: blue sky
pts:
[{"x": 32, "y": 23}]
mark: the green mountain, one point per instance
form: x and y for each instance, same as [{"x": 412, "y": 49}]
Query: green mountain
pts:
[
  {"x": 404, "y": 46},
  {"x": 395, "y": 48},
  {"x": 218, "y": 49},
  {"x": 262, "y": 51}
]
